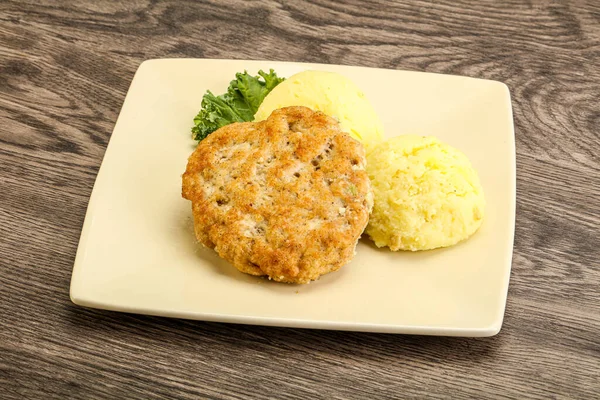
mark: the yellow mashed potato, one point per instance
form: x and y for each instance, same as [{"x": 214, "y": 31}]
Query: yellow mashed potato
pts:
[
  {"x": 332, "y": 94},
  {"x": 427, "y": 194}
]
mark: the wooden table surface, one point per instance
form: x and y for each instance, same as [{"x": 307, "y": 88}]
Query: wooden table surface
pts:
[{"x": 65, "y": 68}]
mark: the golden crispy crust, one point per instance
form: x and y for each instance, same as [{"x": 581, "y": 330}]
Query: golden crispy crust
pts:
[{"x": 287, "y": 197}]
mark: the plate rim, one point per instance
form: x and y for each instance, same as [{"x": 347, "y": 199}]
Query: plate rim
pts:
[{"x": 78, "y": 296}]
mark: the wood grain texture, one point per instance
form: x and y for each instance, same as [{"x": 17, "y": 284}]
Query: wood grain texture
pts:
[{"x": 65, "y": 68}]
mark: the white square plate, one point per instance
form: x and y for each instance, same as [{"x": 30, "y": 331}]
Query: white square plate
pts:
[{"x": 137, "y": 251}]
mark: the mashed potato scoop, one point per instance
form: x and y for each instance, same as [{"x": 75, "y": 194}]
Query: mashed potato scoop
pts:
[
  {"x": 427, "y": 194},
  {"x": 334, "y": 95}
]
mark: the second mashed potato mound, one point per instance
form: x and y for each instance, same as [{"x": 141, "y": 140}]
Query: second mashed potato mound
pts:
[
  {"x": 427, "y": 194},
  {"x": 334, "y": 95}
]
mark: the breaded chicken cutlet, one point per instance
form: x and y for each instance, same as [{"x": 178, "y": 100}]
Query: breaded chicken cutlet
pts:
[{"x": 287, "y": 197}]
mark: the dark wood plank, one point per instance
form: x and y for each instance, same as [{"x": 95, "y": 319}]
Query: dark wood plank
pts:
[{"x": 65, "y": 68}]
